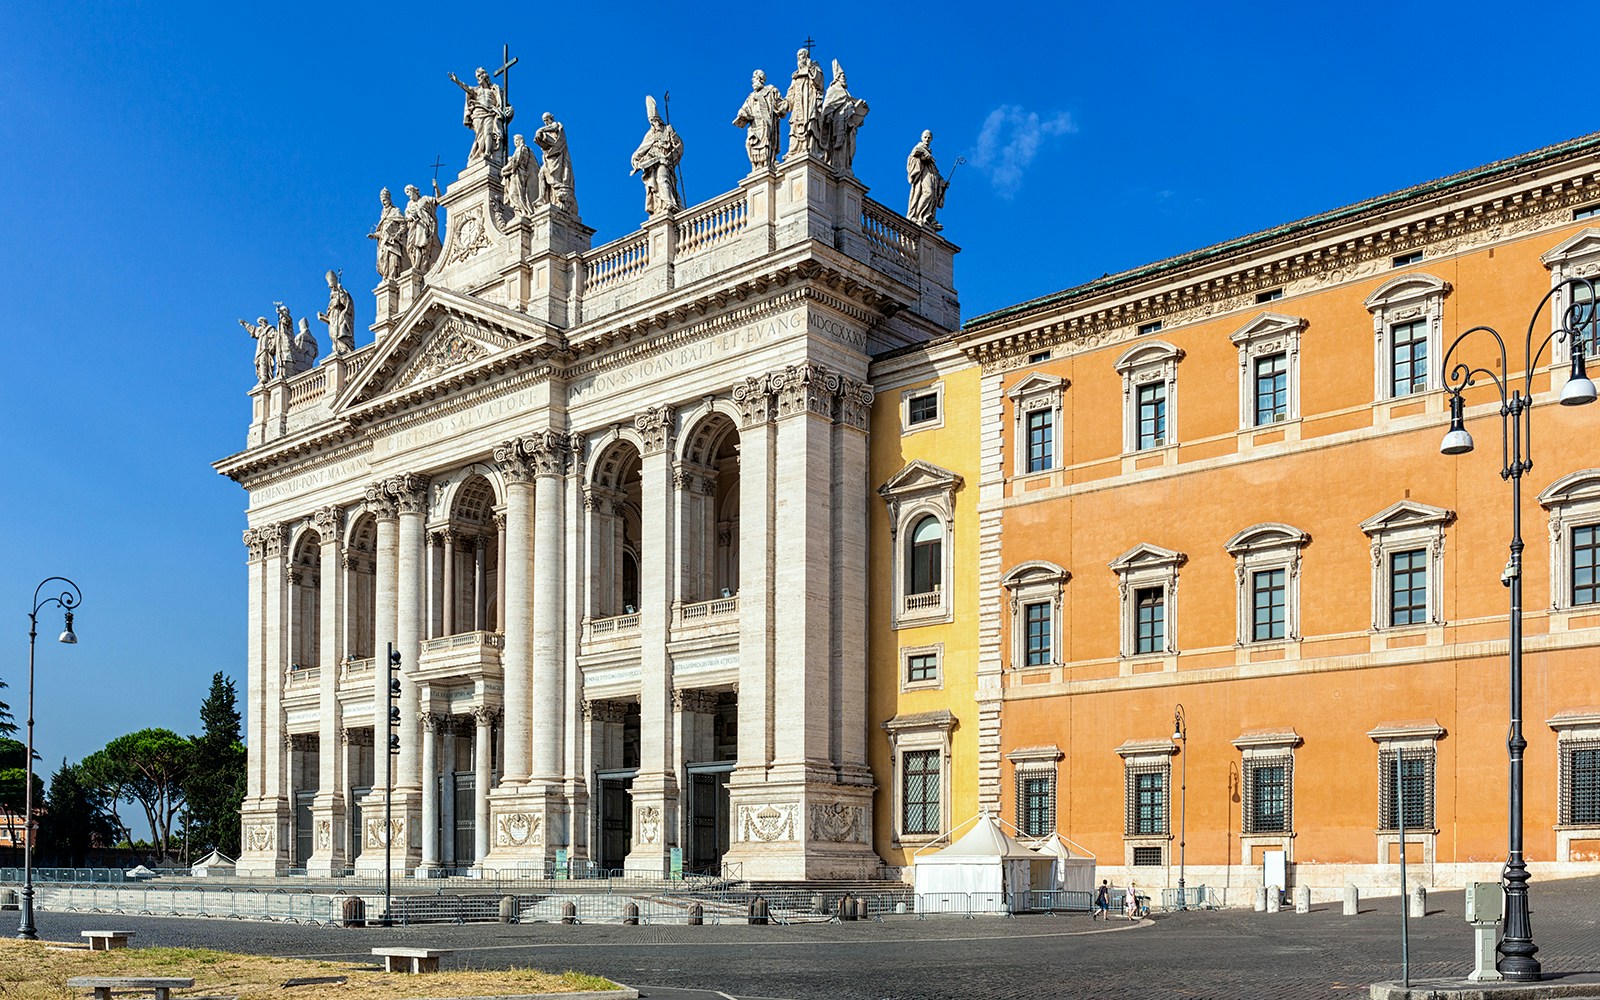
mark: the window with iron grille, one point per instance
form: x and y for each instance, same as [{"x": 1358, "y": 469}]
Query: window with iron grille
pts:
[
  {"x": 1408, "y": 587},
  {"x": 1413, "y": 786},
  {"x": 1580, "y": 783},
  {"x": 1041, "y": 440},
  {"x": 1150, "y": 625},
  {"x": 1408, "y": 358},
  {"x": 1585, "y": 557},
  {"x": 1036, "y": 803},
  {"x": 1268, "y": 794},
  {"x": 1272, "y": 388},
  {"x": 1036, "y": 618},
  {"x": 1147, "y": 857},
  {"x": 1146, "y": 812},
  {"x": 919, "y": 776},
  {"x": 1267, "y": 599}
]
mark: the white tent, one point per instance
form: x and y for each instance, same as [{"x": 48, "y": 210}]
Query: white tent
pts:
[
  {"x": 983, "y": 872},
  {"x": 215, "y": 863},
  {"x": 1074, "y": 866}
]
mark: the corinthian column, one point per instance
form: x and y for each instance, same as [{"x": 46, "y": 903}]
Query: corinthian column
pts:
[
  {"x": 430, "y": 795},
  {"x": 516, "y": 622},
  {"x": 327, "y": 810},
  {"x": 410, "y": 494},
  {"x": 548, "y": 453}
]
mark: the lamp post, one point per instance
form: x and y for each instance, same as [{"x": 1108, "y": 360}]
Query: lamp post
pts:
[
  {"x": 69, "y": 598},
  {"x": 1516, "y": 946},
  {"x": 1180, "y": 731}
]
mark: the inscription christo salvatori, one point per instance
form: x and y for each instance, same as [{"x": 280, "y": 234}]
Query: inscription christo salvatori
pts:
[{"x": 471, "y": 418}]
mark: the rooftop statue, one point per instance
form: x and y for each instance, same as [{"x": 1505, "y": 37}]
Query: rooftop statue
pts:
[
  {"x": 519, "y": 178},
  {"x": 805, "y": 106},
  {"x": 303, "y": 348},
  {"x": 657, "y": 157},
  {"x": 266, "y": 337},
  {"x": 390, "y": 232},
  {"x": 841, "y": 116},
  {"x": 422, "y": 227},
  {"x": 927, "y": 187},
  {"x": 340, "y": 316},
  {"x": 759, "y": 115},
  {"x": 487, "y": 114},
  {"x": 556, "y": 174}
]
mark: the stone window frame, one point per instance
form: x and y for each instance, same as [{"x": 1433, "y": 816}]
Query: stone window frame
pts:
[
  {"x": 1575, "y": 729},
  {"x": 935, "y": 683},
  {"x": 1145, "y": 757},
  {"x": 1261, "y": 547},
  {"x": 1036, "y": 762},
  {"x": 1421, "y": 736},
  {"x": 1261, "y": 748},
  {"x": 907, "y": 395},
  {"x": 1577, "y": 256},
  {"x": 1033, "y": 582},
  {"x": 1143, "y": 364},
  {"x": 1571, "y": 502},
  {"x": 1400, "y": 527},
  {"x": 919, "y": 731},
  {"x": 1036, "y": 391},
  {"x": 1398, "y": 301},
  {"x": 1142, "y": 567},
  {"x": 919, "y": 489},
  {"x": 1269, "y": 333}
]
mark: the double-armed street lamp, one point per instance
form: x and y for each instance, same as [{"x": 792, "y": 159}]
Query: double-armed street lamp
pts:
[
  {"x": 1180, "y": 732},
  {"x": 1516, "y": 946},
  {"x": 69, "y": 598}
]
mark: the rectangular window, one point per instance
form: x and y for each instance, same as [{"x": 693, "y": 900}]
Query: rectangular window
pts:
[
  {"x": 1412, "y": 787},
  {"x": 1150, "y": 328},
  {"x": 1267, "y": 599},
  {"x": 922, "y": 667},
  {"x": 919, "y": 779},
  {"x": 1588, "y": 212},
  {"x": 1150, "y": 803},
  {"x": 922, "y": 408},
  {"x": 1268, "y": 810},
  {"x": 1407, "y": 259},
  {"x": 1152, "y": 415},
  {"x": 1038, "y": 357},
  {"x": 1041, "y": 440},
  {"x": 1036, "y": 804},
  {"x": 1147, "y": 857},
  {"x": 1408, "y": 357},
  {"x": 1150, "y": 623},
  {"x": 1585, "y": 554},
  {"x": 1408, "y": 587},
  {"x": 1580, "y": 783},
  {"x": 1271, "y": 295},
  {"x": 1584, "y": 317},
  {"x": 1036, "y": 619},
  {"x": 1272, "y": 388}
]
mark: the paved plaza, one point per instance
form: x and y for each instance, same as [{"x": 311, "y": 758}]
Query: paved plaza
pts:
[{"x": 1322, "y": 954}]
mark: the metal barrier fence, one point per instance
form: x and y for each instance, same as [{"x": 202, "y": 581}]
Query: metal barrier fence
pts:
[
  {"x": 102, "y": 876},
  {"x": 175, "y": 901},
  {"x": 1193, "y": 897}
]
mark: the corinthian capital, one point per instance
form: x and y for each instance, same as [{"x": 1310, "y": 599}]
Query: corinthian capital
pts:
[
  {"x": 854, "y": 403},
  {"x": 329, "y": 522},
  {"x": 410, "y": 492},
  {"x": 255, "y": 541},
  {"x": 754, "y": 398},
  {"x": 546, "y": 453},
  {"x": 381, "y": 503},
  {"x": 513, "y": 463},
  {"x": 274, "y": 540},
  {"x": 657, "y": 426},
  {"x": 806, "y": 388}
]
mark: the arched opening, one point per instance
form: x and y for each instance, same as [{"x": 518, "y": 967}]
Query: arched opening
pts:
[
  {"x": 467, "y": 563},
  {"x": 924, "y": 557},
  {"x": 613, "y": 500},
  {"x": 361, "y": 594},
  {"x": 305, "y": 603},
  {"x": 709, "y": 501}
]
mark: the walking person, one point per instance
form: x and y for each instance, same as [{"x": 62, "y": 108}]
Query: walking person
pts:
[
  {"x": 1130, "y": 903},
  {"x": 1102, "y": 901}
]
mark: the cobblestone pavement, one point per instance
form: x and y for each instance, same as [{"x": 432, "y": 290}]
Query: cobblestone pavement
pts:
[{"x": 1218, "y": 954}]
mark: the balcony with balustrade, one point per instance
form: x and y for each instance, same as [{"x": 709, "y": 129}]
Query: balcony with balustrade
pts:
[
  {"x": 465, "y": 655},
  {"x": 706, "y": 620}
]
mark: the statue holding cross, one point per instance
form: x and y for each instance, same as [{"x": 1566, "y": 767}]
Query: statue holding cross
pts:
[{"x": 487, "y": 113}]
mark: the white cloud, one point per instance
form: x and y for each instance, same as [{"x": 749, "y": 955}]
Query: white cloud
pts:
[{"x": 1010, "y": 140}]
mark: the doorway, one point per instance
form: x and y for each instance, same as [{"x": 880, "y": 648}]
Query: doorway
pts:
[
  {"x": 615, "y": 817},
  {"x": 709, "y": 823}
]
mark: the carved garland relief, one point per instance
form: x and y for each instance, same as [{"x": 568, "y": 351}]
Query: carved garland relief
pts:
[
  {"x": 768, "y": 823},
  {"x": 518, "y": 829}
]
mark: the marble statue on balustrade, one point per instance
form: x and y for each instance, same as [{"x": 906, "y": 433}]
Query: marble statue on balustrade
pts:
[
  {"x": 927, "y": 187},
  {"x": 657, "y": 158},
  {"x": 555, "y": 176},
  {"x": 805, "y": 106},
  {"x": 390, "y": 232},
  {"x": 842, "y": 114},
  {"x": 266, "y": 337},
  {"x": 519, "y": 179},
  {"x": 340, "y": 317},
  {"x": 422, "y": 227},
  {"x": 487, "y": 114},
  {"x": 759, "y": 116},
  {"x": 296, "y": 352}
]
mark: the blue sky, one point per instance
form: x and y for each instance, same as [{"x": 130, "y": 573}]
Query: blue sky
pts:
[{"x": 171, "y": 168}]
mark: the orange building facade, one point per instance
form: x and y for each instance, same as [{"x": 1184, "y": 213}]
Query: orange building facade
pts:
[{"x": 1227, "y": 597}]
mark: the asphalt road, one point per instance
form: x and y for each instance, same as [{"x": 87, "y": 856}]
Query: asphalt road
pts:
[{"x": 1215, "y": 954}]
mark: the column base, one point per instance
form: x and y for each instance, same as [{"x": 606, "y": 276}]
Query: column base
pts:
[
  {"x": 797, "y": 823},
  {"x": 265, "y": 827},
  {"x": 405, "y": 831},
  {"x": 526, "y": 826},
  {"x": 328, "y": 837}
]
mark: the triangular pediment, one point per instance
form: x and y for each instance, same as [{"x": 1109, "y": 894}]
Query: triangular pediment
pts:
[
  {"x": 1144, "y": 555},
  {"x": 1582, "y": 244},
  {"x": 1267, "y": 324},
  {"x": 1036, "y": 382},
  {"x": 444, "y": 338},
  {"x": 919, "y": 477},
  {"x": 1405, "y": 514}
]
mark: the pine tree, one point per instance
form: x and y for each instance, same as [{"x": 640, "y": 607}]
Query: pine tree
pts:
[
  {"x": 75, "y": 817},
  {"x": 216, "y": 783}
]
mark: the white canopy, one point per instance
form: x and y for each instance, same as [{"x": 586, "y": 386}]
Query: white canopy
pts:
[
  {"x": 1073, "y": 866},
  {"x": 215, "y": 863},
  {"x": 984, "y": 872}
]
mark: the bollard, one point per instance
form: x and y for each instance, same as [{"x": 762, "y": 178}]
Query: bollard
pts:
[
  {"x": 1274, "y": 899},
  {"x": 1419, "y": 902},
  {"x": 899, "y": 908},
  {"x": 630, "y": 914},
  {"x": 863, "y": 908},
  {"x": 757, "y": 914},
  {"x": 8, "y": 899},
  {"x": 353, "y": 912},
  {"x": 1302, "y": 899},
  {"x": 1261, "y": 899},
  {"x": 569, "y": 912},
  {"x": 1352, "y": 901},
  {"x": 508, "y": 909},
  {"x": 818, "y": 904},
  {"x": 697, "y": 915}
]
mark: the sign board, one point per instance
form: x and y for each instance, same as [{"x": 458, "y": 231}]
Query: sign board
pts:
[
  {"x": 675, "y": 862},
  {"x": 1274, "y": 869},
  {"x": 561, "y": 862}
]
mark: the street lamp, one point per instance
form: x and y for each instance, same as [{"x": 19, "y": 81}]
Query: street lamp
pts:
[
  {"x": 1180, "y": 731},
  {"x": 1516, "y": 946},
  {"x": 68, "y": 599}
]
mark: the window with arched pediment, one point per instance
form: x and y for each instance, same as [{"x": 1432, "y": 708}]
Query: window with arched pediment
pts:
[
  {"x": 1574, "y": 266},
  {"x": 1573, "y": 503},
  {"x": 921, "y": 498},
  {"x": 1035, "y": 590},
  {"x": 1267, "y": 573},
  {"x": 1408, "y": 330},
  {"x": 1149, "y": 395}
]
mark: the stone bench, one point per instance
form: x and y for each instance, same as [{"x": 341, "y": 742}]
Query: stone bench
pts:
[
  {"x": 413, "y": 960},
  {"x": 103, "y": 985},
  {"x": 107, "y": 940}
]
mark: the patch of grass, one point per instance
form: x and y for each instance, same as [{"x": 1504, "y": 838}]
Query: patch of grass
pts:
[{"x": 584, "y": 981}]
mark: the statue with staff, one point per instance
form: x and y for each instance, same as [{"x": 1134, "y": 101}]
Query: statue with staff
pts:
[
  {"x": 340, "y": 316},
  {"x": 657, "y": 158},
  {"x": 487, "y": 114},
  {"x": 927, "y": 187}
]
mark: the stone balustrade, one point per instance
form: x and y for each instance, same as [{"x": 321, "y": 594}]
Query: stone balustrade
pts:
[
  {"x": 706, "y": 226},
  {"x": 616, "y": 262},
  {"x": 717, "y": 608},
  {"x": 921, "y": 602}
]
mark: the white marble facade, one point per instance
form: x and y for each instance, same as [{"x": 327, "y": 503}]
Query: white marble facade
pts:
[{"x": 610, "y": 505}]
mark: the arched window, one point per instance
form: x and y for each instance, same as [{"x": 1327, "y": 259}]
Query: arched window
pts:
[{"x": 925, "y": 557}]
